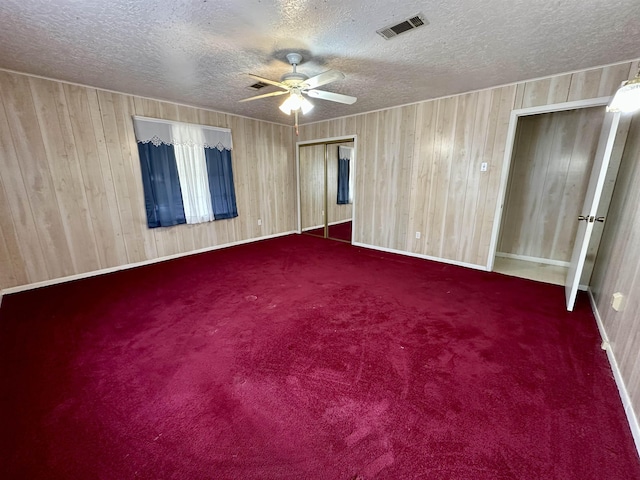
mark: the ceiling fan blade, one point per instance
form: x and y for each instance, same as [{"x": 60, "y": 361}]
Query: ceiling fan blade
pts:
[
  {"x": 322, "y": 79},
  {"x": 334, "y": 97},
  {"x": 270, "y": 82},
  {"x": 264, "y": 95}
]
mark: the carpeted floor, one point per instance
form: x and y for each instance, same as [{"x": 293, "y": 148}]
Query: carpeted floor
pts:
[{"x": 301, "y": 358}]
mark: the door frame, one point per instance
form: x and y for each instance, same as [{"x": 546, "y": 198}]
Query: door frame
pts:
[
  {"x": 325, "y": 141},
  {"x": 508, "y": 157}
]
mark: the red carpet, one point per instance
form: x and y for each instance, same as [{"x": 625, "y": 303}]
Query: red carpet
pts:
[
  {"x": 341, "y": 231},
  {"x": 301, "y": 358}
]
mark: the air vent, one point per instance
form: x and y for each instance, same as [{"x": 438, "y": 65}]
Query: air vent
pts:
[
  {"x": 258, "y": 85},
  {"x": 409, "y": 24}
]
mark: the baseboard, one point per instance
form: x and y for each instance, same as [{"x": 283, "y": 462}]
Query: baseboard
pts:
[
  {"x": 424, "y": 257},
  {"x": 330, "y": 224},
  {"x": 340, "y": 221},
  {"x": 617, "y": 375},
  {"x": 526, "y": 258},
  {"x": 94, "y": 273}
]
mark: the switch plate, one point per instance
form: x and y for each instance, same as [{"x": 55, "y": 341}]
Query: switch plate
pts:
[
  {"x": 417, "y": 234},
  {"x": 483, "y": 167},
  {"x": 259, "y": 221}
]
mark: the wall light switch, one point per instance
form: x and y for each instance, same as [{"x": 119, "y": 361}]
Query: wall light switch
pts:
[
  {"x": 617, "y": 302},
  {"x": 417, "y": 234},
  {"x": 259, "y": 221},
  {"x": 483, "y": 167}
]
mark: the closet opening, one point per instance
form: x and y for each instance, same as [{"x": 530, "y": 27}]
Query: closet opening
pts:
[
  {"x": 556, "y": 188},
  {"x": 326, "y": 188}
]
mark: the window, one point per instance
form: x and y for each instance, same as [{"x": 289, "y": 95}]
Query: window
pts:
[
  {"x": 187, "y": 172},
  {"x": 345, "y": 186}
]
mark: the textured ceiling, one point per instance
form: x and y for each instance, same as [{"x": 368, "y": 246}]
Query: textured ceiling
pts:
[{"x": 198, "y": 52}]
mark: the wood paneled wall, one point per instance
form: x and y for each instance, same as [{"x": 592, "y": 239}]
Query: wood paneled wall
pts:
[
  {"x": 617, "y": 267},
  {"x": 552, "y": 160},
  {"x": 419, "y": 165},
  {"x": 419, "y": 170},
  {"x": 71, "y": 196}
]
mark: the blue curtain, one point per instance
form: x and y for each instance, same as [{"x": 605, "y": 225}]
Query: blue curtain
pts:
[
  {"x": 343, "y": 181},
  {"x": 223, "y": 193},
  {"x": 162, "y": 194}
]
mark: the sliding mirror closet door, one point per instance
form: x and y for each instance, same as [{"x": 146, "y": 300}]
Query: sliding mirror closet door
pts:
[
  {"x": 326, "y": 180},
  {"x": 312, "y": 189},
  {"x": 340, "y": 158}
]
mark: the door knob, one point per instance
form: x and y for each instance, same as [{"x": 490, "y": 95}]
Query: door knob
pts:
[
  {"x": 600, "y": 219},
  {"x": 582, "y": 217}
]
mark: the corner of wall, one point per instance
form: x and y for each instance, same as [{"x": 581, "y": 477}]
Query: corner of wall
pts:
[{"x": 617, "y": 375}]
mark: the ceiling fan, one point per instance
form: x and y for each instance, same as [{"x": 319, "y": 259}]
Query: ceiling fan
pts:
[{"x": 298, "y": 84}]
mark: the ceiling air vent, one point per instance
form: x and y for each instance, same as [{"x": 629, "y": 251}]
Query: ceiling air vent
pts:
[
  {"x": 258, "y": 85},
  {"x": 409, "y": 24}
]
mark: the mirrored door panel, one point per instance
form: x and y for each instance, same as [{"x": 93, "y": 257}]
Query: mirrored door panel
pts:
[
  {"x": 312, "y": 189},
  {"x": 340, "y": 158}
]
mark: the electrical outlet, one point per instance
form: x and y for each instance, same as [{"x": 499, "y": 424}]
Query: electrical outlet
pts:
[
  {"x": 417, "y": 234},
  {"x": 483, "y": 167},
  {"x": 259, "y": 221}
]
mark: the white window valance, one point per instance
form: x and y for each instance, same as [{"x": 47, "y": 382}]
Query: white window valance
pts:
[
  {"x": 158, "y": 132},
  {"x": 345, "y": 153}
]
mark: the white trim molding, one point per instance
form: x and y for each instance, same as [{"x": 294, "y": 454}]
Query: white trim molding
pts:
[
  {"x": 95, "y": 273},
  {"x": 329, "y": 224},
  {"x": 526, "y": 258},
  {"x": 617, "y": 375},
  {"x": 419, "y": 255}
]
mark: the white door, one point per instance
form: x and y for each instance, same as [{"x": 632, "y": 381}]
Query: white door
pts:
[{"x": 590, "y": 207}]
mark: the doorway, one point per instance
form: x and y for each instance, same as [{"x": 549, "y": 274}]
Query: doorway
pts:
[
  {"x": 326, "y": 188},
  {"x": 552, "y": 159},
  {"x": 548, "y": 226}
]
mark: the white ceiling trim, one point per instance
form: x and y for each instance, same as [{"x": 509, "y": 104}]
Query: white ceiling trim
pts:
[{"x": 632, "y": 73}]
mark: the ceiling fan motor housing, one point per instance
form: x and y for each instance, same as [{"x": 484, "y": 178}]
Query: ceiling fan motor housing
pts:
[{"x": 293, "y": 78}]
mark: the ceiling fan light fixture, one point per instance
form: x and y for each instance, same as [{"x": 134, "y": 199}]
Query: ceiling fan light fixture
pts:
[
  {"x": 291, "y": 104},
  {"x": 285, "y": 107},
  {"x": 627, "y": 98},
  {"x": 296, "y": 102},
  {"x": 306, "y": 106},
  {"x": 298, "y": 86}
]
